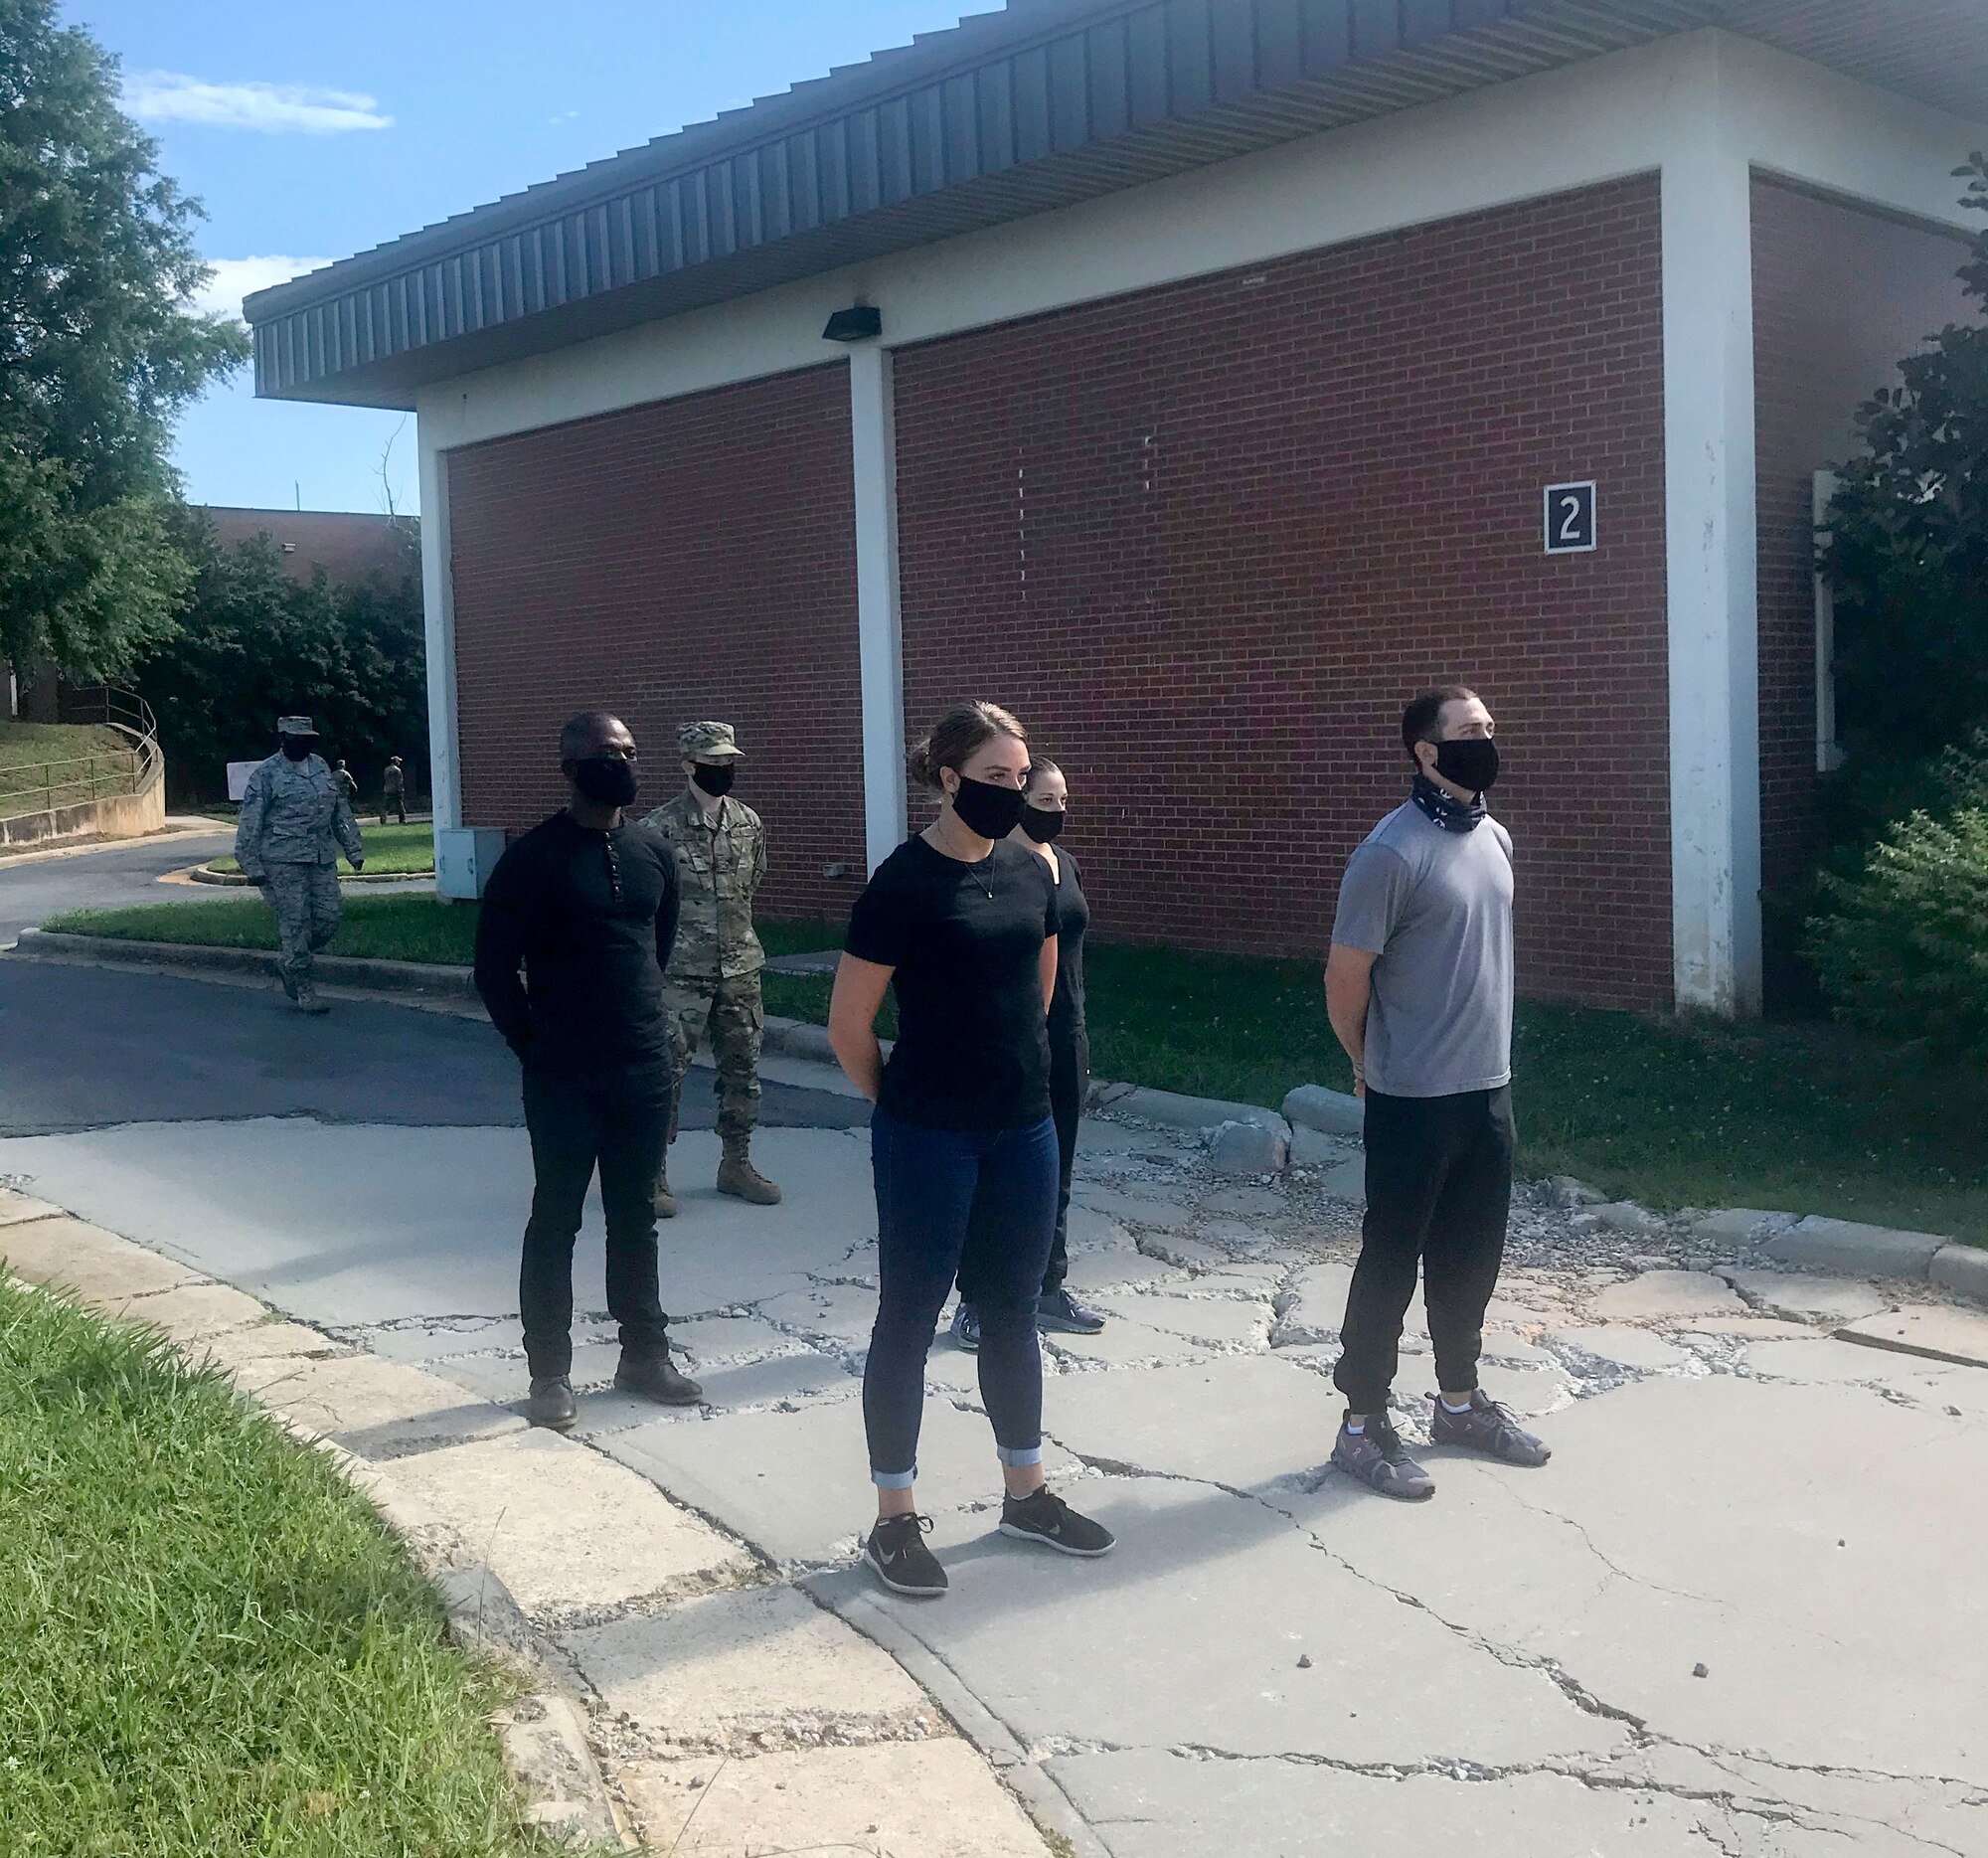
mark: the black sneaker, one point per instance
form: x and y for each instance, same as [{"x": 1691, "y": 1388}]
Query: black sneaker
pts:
[
  {"x": 1045, "y": 1517},
  {"x": 654, "y": 1378},
  {"x": 551, "y": 1402},
  {"x": 966, "y": 1327},
  {"x": 1381, "y": 1461},
  {"x": 1061, "y": 1313},
  {"x": 897, "y": 1550},
  {"x": 1487, "y": 1428}
]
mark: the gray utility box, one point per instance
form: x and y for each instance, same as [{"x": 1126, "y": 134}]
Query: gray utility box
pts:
[{"x": 465, "y": 856}]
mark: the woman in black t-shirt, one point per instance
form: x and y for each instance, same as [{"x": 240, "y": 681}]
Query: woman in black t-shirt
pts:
[
  {"x": 1069, "y": 1056},
  {"x": 962, "y": 926}
]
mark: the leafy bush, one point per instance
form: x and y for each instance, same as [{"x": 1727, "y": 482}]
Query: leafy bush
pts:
[{"x": 1903, "y": 945}]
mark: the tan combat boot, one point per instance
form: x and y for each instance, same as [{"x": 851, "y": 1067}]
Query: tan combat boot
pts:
[
  {"x": 666, "y": 1200},
  {"x": 739, "y": 1177}
]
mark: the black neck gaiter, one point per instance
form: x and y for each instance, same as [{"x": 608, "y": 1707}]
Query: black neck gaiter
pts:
[{"x": 1451, "y": 815}]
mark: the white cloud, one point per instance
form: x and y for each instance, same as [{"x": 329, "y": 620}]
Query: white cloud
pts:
[
  {"x": 274, "y": 108},
  {"x": 236, "y": 279}
]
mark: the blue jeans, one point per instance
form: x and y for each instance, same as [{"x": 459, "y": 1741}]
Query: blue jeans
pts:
[{"x": 928, "y": 1184}]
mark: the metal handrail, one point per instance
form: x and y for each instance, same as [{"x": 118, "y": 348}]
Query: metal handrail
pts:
[{"x": 140, "y": 765}]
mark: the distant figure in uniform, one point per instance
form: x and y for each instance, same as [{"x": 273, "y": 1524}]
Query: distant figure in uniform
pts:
[
  {"x": 394, "y": 791},
  {"x": 713, "y": 980},
  {"x": 295, "y": 818},
  {"x": 347, "y": 786}
]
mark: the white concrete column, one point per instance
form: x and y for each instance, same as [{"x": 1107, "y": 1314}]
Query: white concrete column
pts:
[
  {"x": 1709, "y": 450},
  {"x": 438, "y": 613},
  {"x": 879, "y": 639}
]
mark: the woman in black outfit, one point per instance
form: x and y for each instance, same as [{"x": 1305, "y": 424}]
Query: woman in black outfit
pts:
[
  {"x": 962, "y": 926},
  {"x": 1070, "y": 1055}
]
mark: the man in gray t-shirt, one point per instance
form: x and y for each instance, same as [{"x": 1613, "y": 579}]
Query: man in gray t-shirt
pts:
[{"x": 1418, "y": 988}]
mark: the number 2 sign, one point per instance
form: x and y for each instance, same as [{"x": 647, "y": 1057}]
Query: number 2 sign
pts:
[{"x": 1571, "y": 518}]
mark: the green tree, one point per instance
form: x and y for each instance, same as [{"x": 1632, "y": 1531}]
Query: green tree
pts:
[
  {"x": 253, "y": 644},
  {"x": 98, "y": 351},
  {"x": 1907, "y": 555}
]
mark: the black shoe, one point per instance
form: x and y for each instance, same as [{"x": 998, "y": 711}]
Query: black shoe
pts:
[
  {"x": 551, "y": 1402},
  {"x": 1045, "y": 1517},
  {"x": 652, "y": 1378},
  {"x": 1061, "y": 1313},
  {"x": 966, "y": 1327},
  {"x": 897, "y": 1550}
]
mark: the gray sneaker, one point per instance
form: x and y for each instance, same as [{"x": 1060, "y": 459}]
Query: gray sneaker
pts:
[
  {"x": 1487, "y": 1428},
  {"x": 1381, "y": 1461}
]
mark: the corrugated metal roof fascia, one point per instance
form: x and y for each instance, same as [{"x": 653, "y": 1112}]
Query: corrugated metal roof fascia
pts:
[
  {"x": 1017, "y": 41},
  {"x": 864, "y": 165}
]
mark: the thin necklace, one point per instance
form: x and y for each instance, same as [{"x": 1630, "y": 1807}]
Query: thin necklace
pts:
[{"x": 973, "y": 869}]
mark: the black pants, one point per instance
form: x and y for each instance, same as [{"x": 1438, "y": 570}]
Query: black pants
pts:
[
  {"x": 614, "y": 1121},
  {"x": 1438, "y": 1193},
  {"x": 1069, "y": 1085}
]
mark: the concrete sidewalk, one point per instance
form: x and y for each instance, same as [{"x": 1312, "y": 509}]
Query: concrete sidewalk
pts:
[{"x": 1740, "y": 1612}]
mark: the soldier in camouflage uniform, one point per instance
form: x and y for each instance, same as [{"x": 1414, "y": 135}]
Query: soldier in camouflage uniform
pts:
[
  {"x": 712, "y": 979},
  {"x": 294, "y": 820}
]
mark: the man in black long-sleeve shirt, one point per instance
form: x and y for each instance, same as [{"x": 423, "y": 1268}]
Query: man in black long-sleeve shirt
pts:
[{"x": 587, "y": 902}]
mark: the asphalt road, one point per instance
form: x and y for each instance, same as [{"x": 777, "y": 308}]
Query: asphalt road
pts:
[
  {"x": 102, "y": 880},
  {"x": 86, "y": 1047}
]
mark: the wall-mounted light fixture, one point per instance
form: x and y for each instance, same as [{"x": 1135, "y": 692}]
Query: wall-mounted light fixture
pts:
[{"x": 859, "y": 323}]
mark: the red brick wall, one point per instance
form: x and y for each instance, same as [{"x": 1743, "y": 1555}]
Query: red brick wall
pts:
[
  {"x": 1208, "y": 539},
  {"x": 688, "y": 559},
  {"x": 1838, "y": 298}
]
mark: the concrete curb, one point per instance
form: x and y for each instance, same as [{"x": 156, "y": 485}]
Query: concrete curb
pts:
[
  {"x": 416, "y": 977},
  {"x": 234, "y": 880}
]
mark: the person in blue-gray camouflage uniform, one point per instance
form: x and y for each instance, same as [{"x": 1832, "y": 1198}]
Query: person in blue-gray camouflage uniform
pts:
[{"x": 295, "y": 819}]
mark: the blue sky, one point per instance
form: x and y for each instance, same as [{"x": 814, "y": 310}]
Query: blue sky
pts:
[{"x": 311, "y": 133}]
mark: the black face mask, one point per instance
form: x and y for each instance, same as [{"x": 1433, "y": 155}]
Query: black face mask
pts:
[
  {"x": 606, "y": 780},
  {"x": 716, "y": 782},
  {"x": 991, "y": 811},
  {"x": 1041, "y": 824},
  {"x": 299, "y": 747},
  {"x": 1472, "y": 763}
]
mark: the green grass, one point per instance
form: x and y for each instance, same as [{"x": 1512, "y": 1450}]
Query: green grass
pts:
[
  {"x": 1810, "y": 1118},
  {"x": 405, "y": 927},
  {"x": 215, "y": 1649},
  {"x": 389, "y": 849},
  {"x": 96, "y": 762}
]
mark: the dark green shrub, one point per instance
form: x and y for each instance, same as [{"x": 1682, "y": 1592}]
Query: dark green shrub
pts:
[{"x": 1902, "y": 946}]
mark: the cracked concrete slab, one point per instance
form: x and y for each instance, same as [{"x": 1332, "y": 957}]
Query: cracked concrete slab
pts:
[
  {"x": 1939, "y": 1332},
  {"x": 565, "y": 1529},
  {"x": 796, "y": 1486},
  {"x": 96, "y": 1267},
  {"x": 373, "y": 1409},
  {"x": 1168, "y": 1803},
  {"x": 1803, "y": 1297},
  {"x": 1621, "y": 1346},
  {"x": 428, "y": 1218},
  {"x": 1134, "y": 1210},
  {"x": 1124, "y": 1342},
  {"x": 1665, "y": 1296},
  {"x": 1236, "y": 1420},
  {"x": 1092, "y": 1272},
  {"x": 16, "y": 1209},
  {"x": 761, "y": 1669},
  {"x": 235, "y": 1348},
  {"x": 190, "y": 1312},
  {"x": 1206, "y": 1608},
  {"x": 1800, "y": 1571},
  {"x": 904, "y": 1799},
  {"x": 1222, "y": 1320}
]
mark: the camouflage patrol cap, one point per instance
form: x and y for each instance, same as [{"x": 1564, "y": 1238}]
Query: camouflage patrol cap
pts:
[
  {"x": 712, "y": 741},
  {"x": 295, "y": 726}
]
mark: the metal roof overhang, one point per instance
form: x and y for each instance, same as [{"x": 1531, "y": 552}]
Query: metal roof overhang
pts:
[{"x": 1006, "y": 115}]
